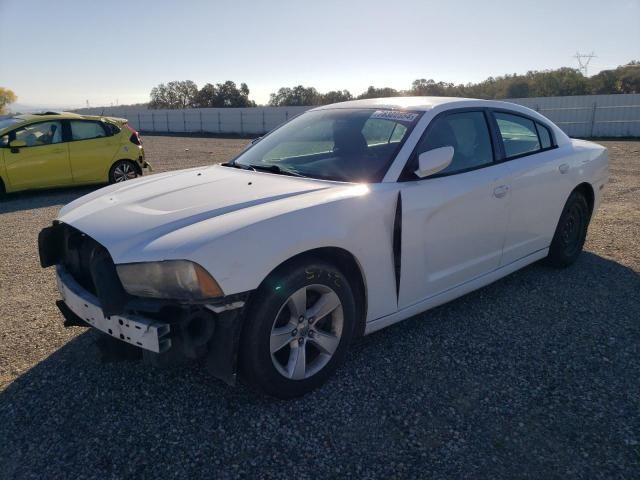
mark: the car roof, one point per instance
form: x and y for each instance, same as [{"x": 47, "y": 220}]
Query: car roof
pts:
[
  {"x": 419, "y": 103},
  {"x": 397, "y": 103},
  {"x": 27, "y": 118},
  {"x": 32, "y": 117}
]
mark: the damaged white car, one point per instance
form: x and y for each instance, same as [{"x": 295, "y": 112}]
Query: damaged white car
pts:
[{"x": 345, "y": 220}]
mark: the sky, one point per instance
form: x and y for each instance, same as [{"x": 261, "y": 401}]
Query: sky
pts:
[{"x": 68, "y": 52}]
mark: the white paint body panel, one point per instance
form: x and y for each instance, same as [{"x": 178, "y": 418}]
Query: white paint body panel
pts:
[
  {"x": 457, "y": 235},
  {"x": 453, "y": 231}
]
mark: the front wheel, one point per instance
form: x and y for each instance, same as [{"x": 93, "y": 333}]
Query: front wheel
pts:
[
  {"x": 298, "y": 329},
  {"x": 122, "y": 171},
  {"x": 571, "y": 232}
]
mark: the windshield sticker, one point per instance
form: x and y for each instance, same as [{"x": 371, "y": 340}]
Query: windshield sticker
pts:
[{"x": 395, "y": 115}]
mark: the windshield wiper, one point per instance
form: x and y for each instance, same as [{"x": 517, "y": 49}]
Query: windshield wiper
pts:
[
  {"x": 237, "y": 165},
  {"x": 275, "y": 169}
]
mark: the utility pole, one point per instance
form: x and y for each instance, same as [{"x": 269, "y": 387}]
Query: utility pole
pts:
[{"x": 583, "y": 61}]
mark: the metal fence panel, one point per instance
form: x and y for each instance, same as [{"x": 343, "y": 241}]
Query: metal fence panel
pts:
[{"x": 578, "y": 116}]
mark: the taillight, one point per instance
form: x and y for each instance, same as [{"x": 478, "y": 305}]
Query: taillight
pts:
[{"x": 135, "y": 136}]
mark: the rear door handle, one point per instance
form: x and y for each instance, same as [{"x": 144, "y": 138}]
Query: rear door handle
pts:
[
  {"x": 564, "y": 168},
  {"x": 500, "y": 191}
]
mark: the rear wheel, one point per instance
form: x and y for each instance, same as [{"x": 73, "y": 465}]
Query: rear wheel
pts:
[
  {"x": 571, "y": 232},
  {"x": 297, "y": 330},
  {"x": 122, "y": 171}
]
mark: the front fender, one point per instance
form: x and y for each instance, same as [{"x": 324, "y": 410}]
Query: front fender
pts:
[{"x": 362, "y": 225}]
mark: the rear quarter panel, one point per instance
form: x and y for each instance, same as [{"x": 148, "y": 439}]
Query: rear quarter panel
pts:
[{"x": 590, "y": 164}]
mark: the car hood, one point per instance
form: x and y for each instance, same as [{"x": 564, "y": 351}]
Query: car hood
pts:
[{"x": 133, "y": 214}]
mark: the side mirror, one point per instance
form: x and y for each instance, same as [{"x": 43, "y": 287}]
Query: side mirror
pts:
[
  {"x": 434, "y": 161},
  {"x": 17, "y": 144}
]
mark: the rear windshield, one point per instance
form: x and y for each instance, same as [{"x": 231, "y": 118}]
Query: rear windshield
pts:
[{"x": 349, "y": 145}]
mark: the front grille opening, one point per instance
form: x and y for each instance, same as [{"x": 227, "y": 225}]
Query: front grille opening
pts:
[{"x": 78, "y": 249}]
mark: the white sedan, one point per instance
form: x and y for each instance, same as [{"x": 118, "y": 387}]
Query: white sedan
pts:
[{"x": 347, "y": 219}]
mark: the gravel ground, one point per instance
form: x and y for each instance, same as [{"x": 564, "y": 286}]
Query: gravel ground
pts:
[{"x": 535, "y": 376}]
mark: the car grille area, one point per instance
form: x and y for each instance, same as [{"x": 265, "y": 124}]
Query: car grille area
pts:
[
  {"x": 76, "y": 255},
  {"x": 87, "y": 261}
]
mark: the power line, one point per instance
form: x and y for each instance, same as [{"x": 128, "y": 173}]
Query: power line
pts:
[{"x": 583, "y": 61}]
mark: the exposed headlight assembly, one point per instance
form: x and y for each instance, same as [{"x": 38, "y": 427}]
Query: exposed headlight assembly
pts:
[{"x": 174, "y": 279}]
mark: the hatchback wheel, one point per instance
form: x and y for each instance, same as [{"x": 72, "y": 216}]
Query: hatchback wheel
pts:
[
  {"x": 571, "y": 232},
  {"x": 122, "y": 171},
  {"x": 297, "y": 329}
]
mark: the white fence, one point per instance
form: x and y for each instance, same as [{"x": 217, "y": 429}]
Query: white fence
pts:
[
  {"x": 578, "y": 116},
  {"x": 239, "y": 121},
  {"x": 590, "y": 115}
]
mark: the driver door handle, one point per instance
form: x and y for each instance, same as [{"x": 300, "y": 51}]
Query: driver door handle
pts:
[{"x": 500, "y": 191}]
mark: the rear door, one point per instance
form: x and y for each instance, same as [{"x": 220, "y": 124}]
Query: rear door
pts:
[
  {"x": 91, "y": 150},
  {"x": 453, "y": 223},
  {"x": 42, "y": 160},
  {"x": 540, "y": 184}
]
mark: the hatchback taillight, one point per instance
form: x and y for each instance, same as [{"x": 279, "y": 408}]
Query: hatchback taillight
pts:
[{"x": 135, "y": 136}]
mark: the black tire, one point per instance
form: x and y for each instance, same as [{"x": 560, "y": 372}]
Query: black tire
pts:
[
  {"x": 123, "y": 170},
  {"x": 269, "y": 309},
  {"x": 571, "y": 232}
]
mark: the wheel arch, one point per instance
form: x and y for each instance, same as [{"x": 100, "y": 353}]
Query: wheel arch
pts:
[
  {"x": 3, "y": 187},
  {"x": 347, "y": 263},
  {"x": 587, "y": 190},
  {"x": 136, "y": 165}
]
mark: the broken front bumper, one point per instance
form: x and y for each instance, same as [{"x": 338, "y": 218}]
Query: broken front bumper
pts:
[{"x": 134, "y": 329}]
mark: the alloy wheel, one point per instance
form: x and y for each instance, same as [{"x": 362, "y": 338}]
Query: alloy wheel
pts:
[
  {"x": 306, "y": 332},
  {"x": 124, "y": 172}
]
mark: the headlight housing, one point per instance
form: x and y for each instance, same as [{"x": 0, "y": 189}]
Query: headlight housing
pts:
[{"x": 174, "y": 279}]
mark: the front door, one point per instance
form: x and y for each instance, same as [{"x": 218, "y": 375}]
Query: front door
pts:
[
  {"x": 453, "y": 223},
  {"x": 41, "y": 159}
]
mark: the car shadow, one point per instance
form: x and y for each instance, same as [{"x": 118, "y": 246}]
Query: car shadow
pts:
[
  {"x": 29, "y": 200},
  {"x": 515, "y": 376}
]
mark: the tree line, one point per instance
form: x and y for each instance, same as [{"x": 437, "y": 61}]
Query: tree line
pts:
[
  {"x": 547, "y": 83},
  {"x": 185, "y": 94}
]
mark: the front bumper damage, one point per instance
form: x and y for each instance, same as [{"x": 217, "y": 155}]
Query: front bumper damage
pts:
[{"x": 156, "y": 331}]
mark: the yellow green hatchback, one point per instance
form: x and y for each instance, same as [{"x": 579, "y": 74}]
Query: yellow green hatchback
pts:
[{"x": 63, "y": 149}]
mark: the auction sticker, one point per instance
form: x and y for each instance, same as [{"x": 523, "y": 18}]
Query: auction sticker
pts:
[{"x": 395, "y": 115}]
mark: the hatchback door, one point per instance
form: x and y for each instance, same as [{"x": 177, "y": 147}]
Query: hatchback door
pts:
[
  {"x": 539, "y": 184},
  {"x": 453, "y": 223},
  {"x": 91, "y": 151},
  {"x": 40, "y": 160}
]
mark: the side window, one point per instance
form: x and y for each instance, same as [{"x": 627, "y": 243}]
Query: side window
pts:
[
  {"x": 37, "y": 134},
  {"x": 86, "y": 130},
  {"x": 467, "y": 133},
  {"x": 519, "y": 134},
  {"x": 4, "y": 141},
  {"x": 544, "y": 135},
  {"x": 377, "y": 131}
]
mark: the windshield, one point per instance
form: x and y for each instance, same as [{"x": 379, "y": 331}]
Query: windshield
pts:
[
  {"x": 7, "y": 122},
  {"x": 350, "y": 145}
]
